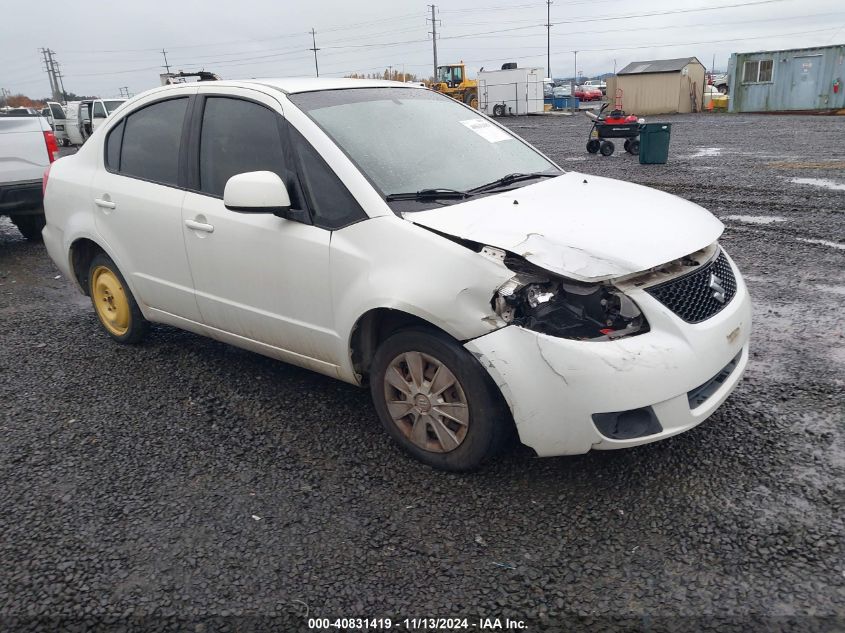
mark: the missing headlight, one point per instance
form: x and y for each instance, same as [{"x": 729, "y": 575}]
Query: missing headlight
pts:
[{"x": 560, "y": 307}]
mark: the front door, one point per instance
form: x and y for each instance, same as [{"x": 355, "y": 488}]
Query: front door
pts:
[
  {"x": 257, "y": 276},
  {"x": 804, "y": 94}
]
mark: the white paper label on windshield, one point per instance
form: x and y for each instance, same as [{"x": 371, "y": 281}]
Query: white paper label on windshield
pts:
[{"x": 487, "y": 130}]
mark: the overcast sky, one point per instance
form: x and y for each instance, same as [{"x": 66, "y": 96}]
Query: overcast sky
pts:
[{"x": 103, "y": 46}]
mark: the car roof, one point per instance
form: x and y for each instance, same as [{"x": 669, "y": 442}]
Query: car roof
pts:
[{"x": 291, "y": 85}]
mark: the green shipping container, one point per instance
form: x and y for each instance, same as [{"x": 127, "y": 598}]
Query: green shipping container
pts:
[{"x": 654, "y": 143}]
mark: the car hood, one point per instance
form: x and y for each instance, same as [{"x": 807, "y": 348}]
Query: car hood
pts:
[{"x": 583, "y": 227}]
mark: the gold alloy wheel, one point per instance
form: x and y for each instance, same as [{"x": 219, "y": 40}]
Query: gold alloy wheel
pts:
[
  {"x": 426, "y": 402},
  {"x": 110, "y": 300},
  {"x": 473, "y": 103}
]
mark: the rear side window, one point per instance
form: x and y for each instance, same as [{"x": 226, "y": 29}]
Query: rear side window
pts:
[
  {"x": 113, "y": 146},
  {"x": 150, "y": 148},
  {"x": 99, "y": 110},
  {"x": 237, "y": 136}
]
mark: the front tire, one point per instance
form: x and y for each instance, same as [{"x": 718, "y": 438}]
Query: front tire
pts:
[
  {"x": 436, "y": 401},
  {"x": 30, "y": 226},
  {"x": 498, "y": 110},
  {"x": 113, "y": 302}
]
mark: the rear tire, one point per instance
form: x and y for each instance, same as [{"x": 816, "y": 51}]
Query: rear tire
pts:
[
  {"x": 593, "y": 146},
  {"x": 634, "y": 147},
  {"x": 30, "y": 225},
  {"x": 498, "y": 110},
  {"x": 436, "y": 401},
  {"x": 606, "y": 148},
  {"x": 113, "y": 302}
]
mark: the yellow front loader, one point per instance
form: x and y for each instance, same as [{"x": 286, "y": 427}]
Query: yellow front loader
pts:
[{"x": 452, "y": 80}]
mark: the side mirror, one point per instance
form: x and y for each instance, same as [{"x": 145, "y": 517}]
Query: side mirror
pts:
[{"x": 257, "y": 192}]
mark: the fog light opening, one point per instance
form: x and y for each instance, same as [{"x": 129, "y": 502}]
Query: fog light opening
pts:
[{"x": 627, "y": 425}]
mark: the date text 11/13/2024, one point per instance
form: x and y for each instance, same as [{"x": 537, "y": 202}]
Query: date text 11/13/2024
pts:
[{"x": 417, "y": 624}]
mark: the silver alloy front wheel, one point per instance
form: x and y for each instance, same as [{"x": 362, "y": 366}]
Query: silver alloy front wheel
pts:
[{"x": 426, "y": 402}]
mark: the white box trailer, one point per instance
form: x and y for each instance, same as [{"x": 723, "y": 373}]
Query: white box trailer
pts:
[{"x": 510, "y": 91}]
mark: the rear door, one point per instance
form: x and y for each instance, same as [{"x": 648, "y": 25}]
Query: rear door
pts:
[{"x": 137, "y": 196}]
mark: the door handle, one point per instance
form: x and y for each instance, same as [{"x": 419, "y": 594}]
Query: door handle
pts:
[
  {"x": 104, "y": 204},
  {"x": 199, "y": 226}
]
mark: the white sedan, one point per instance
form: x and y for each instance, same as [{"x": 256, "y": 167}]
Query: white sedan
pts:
[{"x": 389, "y": 236}]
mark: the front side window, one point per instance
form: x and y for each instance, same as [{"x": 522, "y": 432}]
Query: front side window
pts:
[
  {"x": 237, "y": 136},
  {"x": 151, "y": 139},
  {"x": 404, "y": 139},
  {"x": 331, "y": 204}
]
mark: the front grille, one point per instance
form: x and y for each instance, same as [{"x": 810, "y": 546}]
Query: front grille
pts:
[{"x": 693, "y": 296}]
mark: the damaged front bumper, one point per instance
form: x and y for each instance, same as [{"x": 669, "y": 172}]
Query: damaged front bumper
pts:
[{"x": 652, "y": 386}]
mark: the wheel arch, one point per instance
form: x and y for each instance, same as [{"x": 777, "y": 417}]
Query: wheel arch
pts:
[
  {"x": 375, "y": 326},
  {"x": 81, "y": 253}
]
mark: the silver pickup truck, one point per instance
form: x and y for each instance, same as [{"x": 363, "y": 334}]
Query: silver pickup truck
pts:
[{"x": 27, "y": 147}]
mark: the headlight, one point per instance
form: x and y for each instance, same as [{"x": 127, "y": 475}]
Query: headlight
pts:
[{"x": 540, "y": 301}]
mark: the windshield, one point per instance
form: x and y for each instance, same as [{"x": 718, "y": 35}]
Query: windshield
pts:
[
  {"x": 113, "y": 105},
  {"x": 405, "y": 139}
]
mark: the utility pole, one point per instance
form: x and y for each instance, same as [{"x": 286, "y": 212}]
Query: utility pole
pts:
[
  {"x": 575, "y": 74},
  {"x": 51, "y": 75},
  {"x": 433, "y": 33},
  {"x": 315, "y": 49},
  {"x": 549, "y": 38},
  {"x": 166, "y": 65},
  {"x": 58, "y": 76}
]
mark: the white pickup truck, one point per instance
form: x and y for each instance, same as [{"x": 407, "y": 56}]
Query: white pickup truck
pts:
[{"x": 27, "y": 147}]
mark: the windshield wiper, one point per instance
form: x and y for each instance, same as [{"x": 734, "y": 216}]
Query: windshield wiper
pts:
[
  {"x": 427, "y": 194},
  {"x": 509, "y": 180}
]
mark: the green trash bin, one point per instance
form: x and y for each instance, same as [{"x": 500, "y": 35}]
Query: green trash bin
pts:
[{"x": 654, "y": 143}]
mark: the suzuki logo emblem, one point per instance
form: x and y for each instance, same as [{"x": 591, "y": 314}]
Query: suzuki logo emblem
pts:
[{"x": 716, "y": 286}]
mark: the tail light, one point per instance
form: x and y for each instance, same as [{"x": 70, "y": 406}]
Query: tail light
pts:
[
  {"x": 52, "y": 145},
  {"x": 44, "y": 180}
]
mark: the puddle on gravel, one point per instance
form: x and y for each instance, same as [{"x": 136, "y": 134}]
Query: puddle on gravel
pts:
[
  {"x": 756, "y": 219},
  {"x": 702, "y": 152},
  {"x": 836, "y": 245},
  {"x": 819, "y": 182}
]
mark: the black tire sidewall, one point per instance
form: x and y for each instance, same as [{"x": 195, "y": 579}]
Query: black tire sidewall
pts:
[
  {"x": 138, "y": 325},
  {"x": 30, "y": 225},
  {"x": 606, "y": 148},
  {"x": 489, "y": 418},
  {"x": 593, "y": 146}
]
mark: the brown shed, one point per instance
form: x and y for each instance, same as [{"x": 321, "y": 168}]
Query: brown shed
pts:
[{"x": 663, "y": 86}]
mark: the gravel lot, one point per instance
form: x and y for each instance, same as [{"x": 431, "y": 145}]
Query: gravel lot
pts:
[{"x": 188, "y": 485}]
